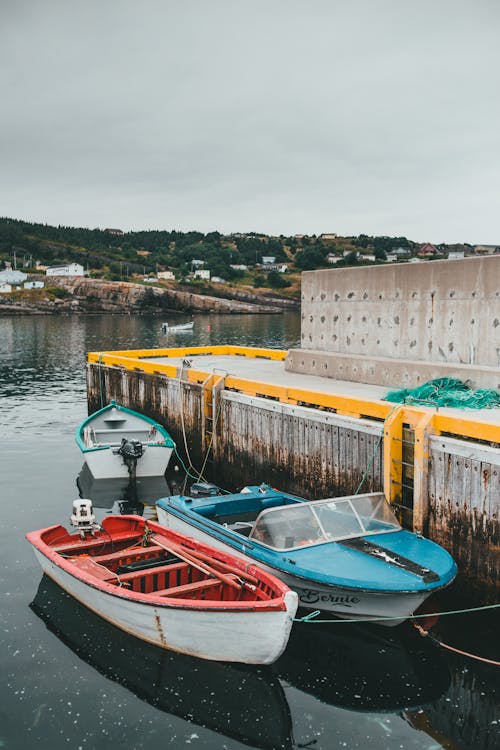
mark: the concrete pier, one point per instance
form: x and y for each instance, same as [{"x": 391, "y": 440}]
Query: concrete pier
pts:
[{"x": 239, "y": 414}]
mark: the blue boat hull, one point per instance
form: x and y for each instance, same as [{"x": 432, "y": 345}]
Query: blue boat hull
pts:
[{"x": 340, "y": 601}]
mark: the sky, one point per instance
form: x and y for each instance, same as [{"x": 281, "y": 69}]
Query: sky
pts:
[{"x": 379, "y": 117}]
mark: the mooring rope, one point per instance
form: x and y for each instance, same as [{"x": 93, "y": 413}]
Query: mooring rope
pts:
[
  {"x": 311, "y": 617},
  {"x": 425, "y": 633},
  {"x": 99, "y": 362}
]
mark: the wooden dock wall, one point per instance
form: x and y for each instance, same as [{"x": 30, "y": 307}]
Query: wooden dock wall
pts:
[
  {"x": 317, "y": 453},
  {"x": 304, "y": 451},
  {"x": 464, "y": 509}
]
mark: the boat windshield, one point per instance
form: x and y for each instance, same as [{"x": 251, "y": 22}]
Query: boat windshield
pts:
[{"x": 319, "y": 521}]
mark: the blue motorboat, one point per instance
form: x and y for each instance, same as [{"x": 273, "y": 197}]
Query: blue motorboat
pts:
[{"x": 345, "y": 555}]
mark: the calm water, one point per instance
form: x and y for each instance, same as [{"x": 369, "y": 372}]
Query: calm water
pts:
[{"x": 69, "y": 680}]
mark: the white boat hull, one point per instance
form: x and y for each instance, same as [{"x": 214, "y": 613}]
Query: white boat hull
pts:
[
  {"x": 246, "y": 637},
  {"x": 345, "y": 603},
  {"x": 105, "y": 464}
]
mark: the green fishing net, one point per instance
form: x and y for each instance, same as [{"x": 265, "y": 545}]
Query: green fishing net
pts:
[{"x": 446, "y": 392}]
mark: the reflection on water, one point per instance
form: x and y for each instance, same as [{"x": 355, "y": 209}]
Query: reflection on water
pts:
[
  {"x": 357, "y": 670},
  {"x": 80, "y": 683},
  {"x": 42, "y": 358},
  {"x": 363, "y": 668},
  {"x": 122, "y": 495}
]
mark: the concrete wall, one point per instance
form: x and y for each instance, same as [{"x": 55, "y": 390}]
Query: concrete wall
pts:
[{"x": 440, "y": 313}]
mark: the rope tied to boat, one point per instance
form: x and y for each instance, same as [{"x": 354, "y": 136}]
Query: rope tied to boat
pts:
[
  {"x": 426, "y": 634},
  {"x": 99, "y": 363},
  {"x": 313, "y": 617},
  {"x": 145, "y": 537}
]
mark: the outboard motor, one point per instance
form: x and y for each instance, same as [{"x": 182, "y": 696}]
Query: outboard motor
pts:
[
  {"x": 131, "y": 451},
  {"x": 83, "y": 517},
  {"x": 203, "y": 489}
]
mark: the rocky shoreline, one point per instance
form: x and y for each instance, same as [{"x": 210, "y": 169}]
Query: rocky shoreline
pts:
[{"x": 83, "y": 295}]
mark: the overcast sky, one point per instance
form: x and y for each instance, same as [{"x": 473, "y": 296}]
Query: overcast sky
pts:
[{"x": 278, "y": 116}]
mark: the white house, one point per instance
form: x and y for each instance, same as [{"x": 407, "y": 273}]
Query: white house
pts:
[
  {"x": 486, "y": 249},
  {"x": 167, "y": 275},
  {"x": 332, "y": 258},
  {"x": 5, "y": 288},
  {"x": 34, "y": 284},
  {"x": 197, "y": 263},
  {"x": 268, "y": 260},
  {"x": 150, "y": 279},
  {"x": 73, "y": 269},
  {"x": 202, "y": 274},
  {"x": 10, "y": 276},
  {"x": 239, "y": 267},
  {"x": 218, "y": 280},
  {"x": 456, "y": 254}
]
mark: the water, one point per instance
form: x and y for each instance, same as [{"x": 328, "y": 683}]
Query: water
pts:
[{"x": 68, "y": 679}]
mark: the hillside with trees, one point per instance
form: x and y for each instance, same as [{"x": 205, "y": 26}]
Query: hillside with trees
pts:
[{"x": 236, "y": 259}]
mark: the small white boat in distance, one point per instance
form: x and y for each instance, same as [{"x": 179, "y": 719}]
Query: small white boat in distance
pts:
[
  {"x": 167, "y": 327},
  {"x": 118, "y": 442}
]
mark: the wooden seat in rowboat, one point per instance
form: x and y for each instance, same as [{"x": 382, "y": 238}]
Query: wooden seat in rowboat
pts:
[
  {"x": 132, "y": 552},
  {"x": 90, "y": 566},
  {"x": 77, "y": 546},
  {"x": 190, "y": 588}
]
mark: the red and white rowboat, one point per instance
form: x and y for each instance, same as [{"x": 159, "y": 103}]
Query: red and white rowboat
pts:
[{"x": 170, "y": 590}]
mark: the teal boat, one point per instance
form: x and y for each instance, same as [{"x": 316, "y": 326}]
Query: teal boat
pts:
[{"x": 118, "y": 442}]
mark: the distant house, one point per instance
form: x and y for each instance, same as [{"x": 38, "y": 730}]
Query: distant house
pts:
[
  {"x": 368, "y": 256},
  {"x": 150, "y": 279},
  {"x": 197, "y": 263},
  {"x": 10, "y": 276},
  {"x": 279, "y": 267},
  {"x": 456, "y": 254},
  {"x": 115, "y": 232},
  {"x": 350, "y": 252},
  {"x": 456, "y": 248},
  {"x": 218, "y": 280},
  {"x": 398, "y": 253},
  {"x": 239, "y": 267},
  {"x": 427, "y": 251},
  {"x": 5, "y": 288},
  {"x": 330, "y": 236},
  {"x": 202, "y": 274},
  {"x": 72, "y": 269},
  {"x": 486, "y": 249},
  {"x": 299, "y": 236},
  {"x": 268, "y": 260},
  {"x": 34, "y": 284},
  {"x": 332, "y": 258},
  {"x": 167, "y": 275}
]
